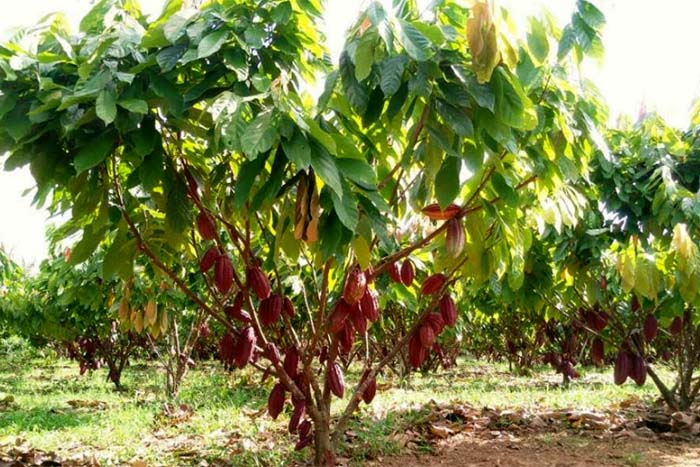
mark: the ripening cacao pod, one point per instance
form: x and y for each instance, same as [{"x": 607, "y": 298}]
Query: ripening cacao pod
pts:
[
  {"x": 291, "y": 361},
  {"x": 601, "y": 320},
  {"x": 204, "y": 330},
  {"x": 407, "y": 272},
  {"x": 258, "y": 281},
  {"x": 448, "y": 310},
  {"x": 335, "y": 378},
  {"x": 623, "y": 364},
  {"x": 275, "y": 403},
  {"x": 346, "y": 338},
  {"x": 676, "y": 326},
  {"x": 435, "y": 321},
  {"x": 304, "y": 429},
  {"x": 288, "y": 307},
  {"x": 227, "y": 350},
  {"x": 300, "y": 381},
  {"x": 455, "y": 238},
  {"x": 603, "y": 283},
  {"x": 597, "y": 351},
  {"x": 303, "y": 442},
  {"x": 638, "y": 370},
  {"x": 433, "y": 284},
  {"x": 635, "y": 305},
  {"x": 337, "y": 319},
  {"x": 245, "y": 347},
  {"x": 294, "y": 420},
  {"x": 434, "y": 212},
  {"x": 665, "y": 355},
  {"x": 358, "y": 319},
  {"x": 236, "y": 311},
  {"x": 223, "y": 274},
  {"x": 371, "y": 389},
  {"x": 208, "y": 259},
  {"x": 270, "y": 309},
  {"x": 355, "y": 285},
  {"x": 370, "y": 305},
  {"x": 427, "y": 336},
  {"x": 651, "y": 327},
  {"x": 206, "y": 226},
  {"x": 394, "y": 272},
  {"x": 416, "y": 351}
]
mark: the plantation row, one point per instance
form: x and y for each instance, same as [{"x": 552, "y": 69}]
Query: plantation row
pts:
[{"x": 454, "y": 188}]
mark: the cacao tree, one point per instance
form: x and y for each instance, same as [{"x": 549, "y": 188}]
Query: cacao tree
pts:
[{"x": 436, "y": 146}]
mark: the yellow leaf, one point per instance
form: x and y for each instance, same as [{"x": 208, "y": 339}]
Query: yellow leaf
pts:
[
  {"x": 163, "y": 321},
  {"x": 151, "y": 312},
  {"x": 483, "y": 44},
  {"x": 361, "y": 249}
]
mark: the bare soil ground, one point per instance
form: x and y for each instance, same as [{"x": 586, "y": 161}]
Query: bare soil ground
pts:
[{"x": 556, "y": 450}]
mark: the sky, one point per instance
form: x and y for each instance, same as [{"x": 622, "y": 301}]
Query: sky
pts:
[{"x": 647, "y": 61}]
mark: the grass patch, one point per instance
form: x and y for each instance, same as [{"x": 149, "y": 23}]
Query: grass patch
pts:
[{"x": 229, "y": 421}]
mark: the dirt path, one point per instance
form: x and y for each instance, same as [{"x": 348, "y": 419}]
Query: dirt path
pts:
[{"x": 556, "y": 450}]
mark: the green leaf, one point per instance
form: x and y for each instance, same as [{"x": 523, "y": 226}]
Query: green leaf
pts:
[
  {"x": 364, "y": 54},
  {"x": 325, "y": 167},
  {"x": 260, "y": 135},
  {"x": 168, "y": 57},
  {"x": 106, "y": 107},
  {"x": 345, "y": 206},
  {"x": 447, "y": 181},
  {"x": 414, "y": 42},
  {"x": 392, "y": 74},
  {"x": 513, "y": 107},
  {"x": 211, "y": 43},
  {"x": 590, "y": 14},
  {"x": 152, "y": 170},
  {"x": 178, "y": 212},
  {"x": 482, "y": 94},
  {"x": 362, "y": 251},
  {"x": 119, "y": 259},
  {"x": 359, "y": 171},
  {"x": 137, "y": 106},
  {"x": 245, "y": 181},
  {"x": 93, "y": 153},
  {"x": 457, "y": 118},
  {"x": 298, "y": 150},
  {"x": 87, "y": 244},
  {"x": 504, "y": 190},
  {"x": 537, "y": 41},
  {"x": 567, "y": 42},
  {"x": 355, "y": 92}
]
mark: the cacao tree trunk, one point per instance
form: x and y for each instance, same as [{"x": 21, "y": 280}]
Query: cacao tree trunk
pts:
[{"x": 324, "y": 451}]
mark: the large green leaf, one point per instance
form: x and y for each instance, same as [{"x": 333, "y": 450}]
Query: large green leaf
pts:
[
  {"x": 260, "y": 134},
  {"x": 359, "y": 171},
  {"x": 345, "y": 206},
  {"x": 211, "y": 43},
  {"x": 513, "y": 107},
  {"x": 416, "y": 45},
  {"x": 93, "y": 153},
  {"x": 392, "y": 74},
  {"x": 325, "y": 167},
  {"x": 298, "y": 150},
  {"x": 447, "y": 181},
  {"x": 106, "y": 106},
  {"x": 178, "y": 211}
]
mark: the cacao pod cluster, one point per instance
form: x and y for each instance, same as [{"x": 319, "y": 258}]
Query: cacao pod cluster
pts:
[
  {"x": 235, "y": 351},
  {"x": 278, "y": 397},
  {"x": 562, "y": 363},
  {"x": 629, "y": 365},
  {"x": 353, "y": 312},
  {"x": 595, "y": 318},
  {"x": 432, "y": 325},
  {"x": 223, "y": 268}
]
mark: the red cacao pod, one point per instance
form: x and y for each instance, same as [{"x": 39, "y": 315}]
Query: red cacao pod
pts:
[
  {"x": 623, "y": 364},
  {"x": 275, "y": 403},
  {"x": 246, "y": 345},
  {"x": 635, "y": 306},
  {"x": 227, "y": 350},
  {"x": 638, "y": 370},
  {"x": 454, "y": 238},
  {"x": 335, "y": 379},
  {"x": 355, "y": 286},
  {"x": 370, "y": 305},
  {"x": 236, "y": 311},
  {"x": 295, "y": 419},
  {"x": 270, "y": 309},
  {"x": 346, "y": 338},
  {"x": 394, "y": 272},
  {"x": 433, "y": 284},
  {"x": 434, "y": 212},
  {"x": 337, "y": 319},
  {"x": 208, "y": 259},
  {"x": 204, "y": 330},
  {"x": 448, "y": 310},
  {"x": 304, "y": 429},
  {"x": 676, "y": 326},
  {"x": 371, "y": 389},
  {"x": 291, "y": 361},
  {"x": 427, "y": 336},
  {"x": 416, "y": 351},
  {"x": 206, "y": 226},
  {"x": 407, "y": 272},
  {"x": 223, "y": 274},
  {"x": 597, "y": 351},
  {"x": 358, "y": 319},
  {"x": 651, "y": 327},
  {"x": 258, "y": 281},
  {"x": 435, "y": 321},
  {"x": 288, "y": 307},
  {"x": 303, "y": 442},
  {"x": 603, "y": 283}
]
